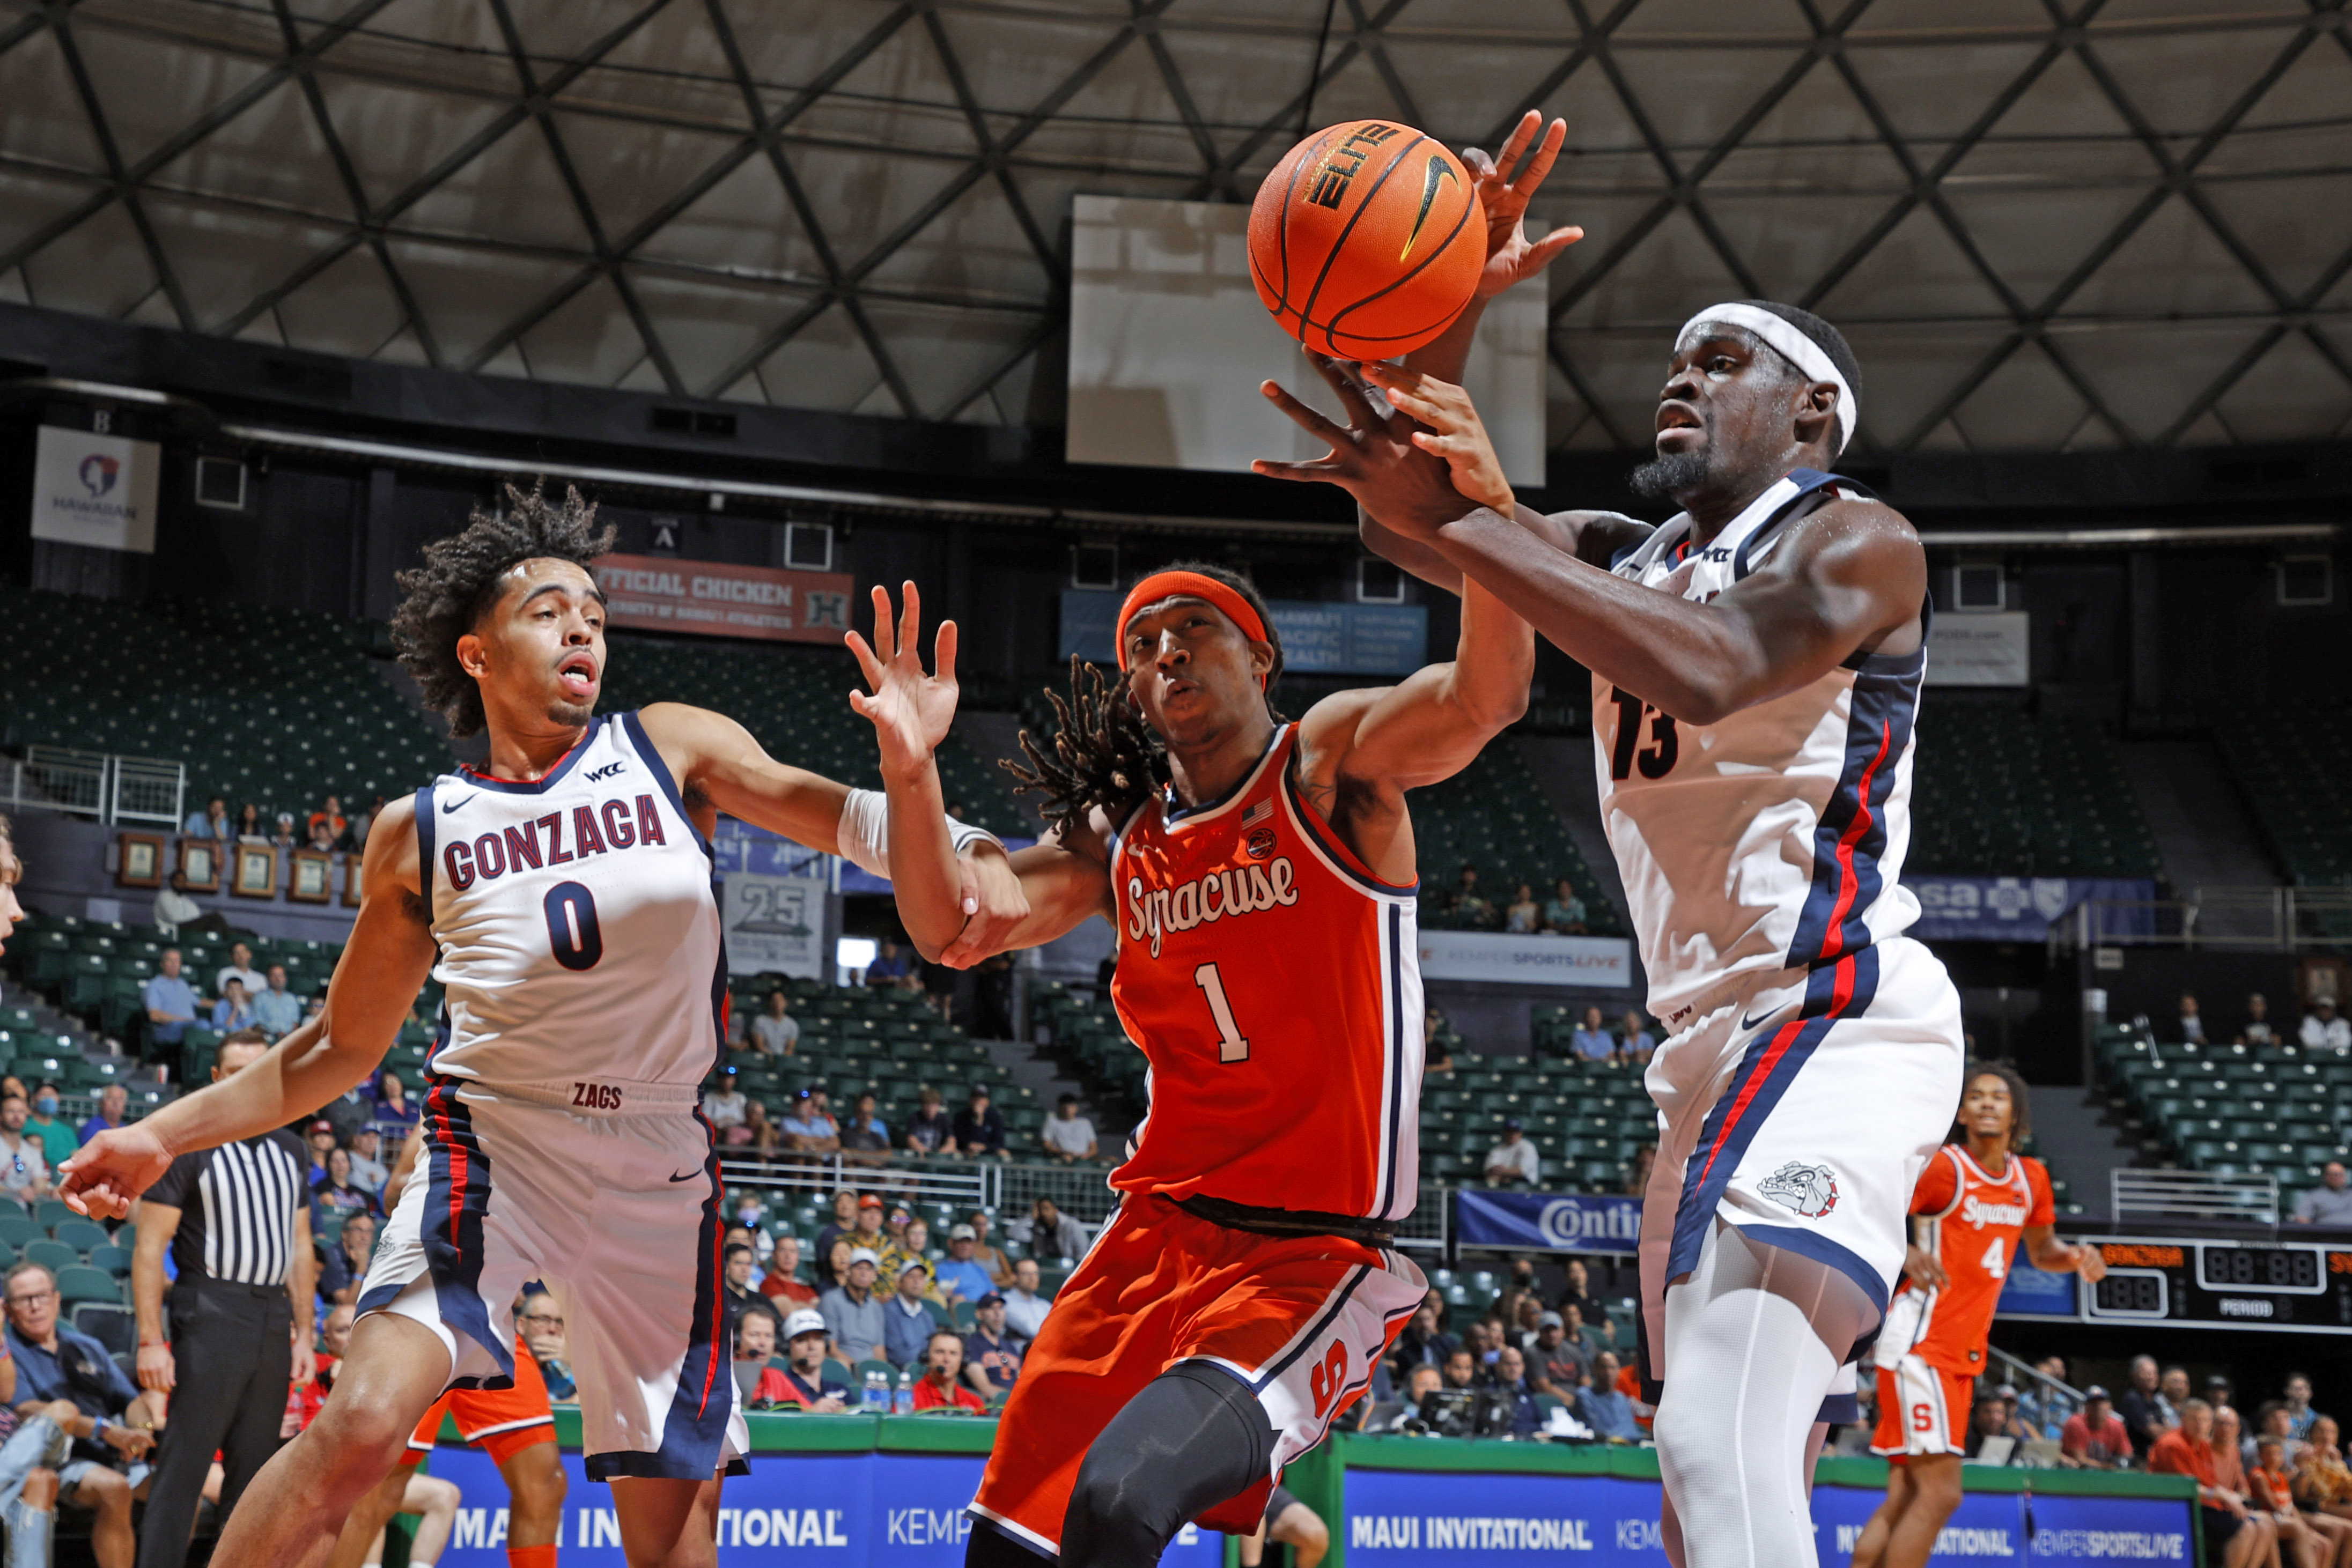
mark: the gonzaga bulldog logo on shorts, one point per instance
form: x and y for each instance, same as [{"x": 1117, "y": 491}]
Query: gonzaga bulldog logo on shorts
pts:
[{"x": 1811, "y": 1190}]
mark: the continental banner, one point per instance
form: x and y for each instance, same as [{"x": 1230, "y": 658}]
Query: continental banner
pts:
[
  {"x": 1550, "y": 1222},
  {"x": 662, "y": 593}
]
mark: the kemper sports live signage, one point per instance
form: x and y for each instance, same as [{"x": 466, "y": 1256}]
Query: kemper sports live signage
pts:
[
  {"x": 1604, "y": 963},
  {"x": 95, "y": 490},
  {"x": 661, "y": 593}
]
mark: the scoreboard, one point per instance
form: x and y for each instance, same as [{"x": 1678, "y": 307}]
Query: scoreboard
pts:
[{"x": 2284, "y": 1287}]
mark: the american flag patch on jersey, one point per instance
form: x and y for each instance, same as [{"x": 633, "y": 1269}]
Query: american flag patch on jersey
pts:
[{"x": 1258, "y": 814}]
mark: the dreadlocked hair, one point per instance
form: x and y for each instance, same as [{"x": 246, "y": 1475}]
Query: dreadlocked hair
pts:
[
  {"x": 444, "y": 597},
  {"x": 1103, "y": 754}
]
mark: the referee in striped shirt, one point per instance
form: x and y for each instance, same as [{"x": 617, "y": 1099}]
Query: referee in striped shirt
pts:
[{"x": 237, "y": 1220}]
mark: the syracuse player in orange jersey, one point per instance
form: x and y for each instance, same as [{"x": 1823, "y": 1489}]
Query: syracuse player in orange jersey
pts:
[
  {"x": 1260, "y": 877},
  {"x": 514, "y": 1425},
  {"x": 1976, "y": 1208}
]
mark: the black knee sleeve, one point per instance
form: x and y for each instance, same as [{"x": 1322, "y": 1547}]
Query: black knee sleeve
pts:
[
  {"x": 1193, "y": 1437},
  {"x": 989, "y": 1547}
]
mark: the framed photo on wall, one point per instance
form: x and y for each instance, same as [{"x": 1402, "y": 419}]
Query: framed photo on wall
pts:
[
  {"x": 140, "y": 864},
  {"x": 200, "y": 864},
  {"x": 352, "y": 886},
  {"x": 256, "y": 871},
  {"x": 314, "y": 875}
]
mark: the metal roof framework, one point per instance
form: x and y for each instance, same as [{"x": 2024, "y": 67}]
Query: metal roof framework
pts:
[{"x": 2047, "y": 224}]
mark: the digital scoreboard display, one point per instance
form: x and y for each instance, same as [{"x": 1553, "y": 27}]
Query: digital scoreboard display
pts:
[{"x": 2281, "y": 1286}]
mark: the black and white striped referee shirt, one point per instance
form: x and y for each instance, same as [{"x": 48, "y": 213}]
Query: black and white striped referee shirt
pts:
[{"x": 237, "y": 1207}]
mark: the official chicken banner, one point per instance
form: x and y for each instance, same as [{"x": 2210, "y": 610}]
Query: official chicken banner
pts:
[{"x": 663, "y": 593}]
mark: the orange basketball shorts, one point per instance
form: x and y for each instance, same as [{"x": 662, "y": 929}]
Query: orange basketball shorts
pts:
[
  {"x": 1302, "y": 1320},
  {"x": 502, "y": 1422},
  {"x": 1922, "y": 1409}
]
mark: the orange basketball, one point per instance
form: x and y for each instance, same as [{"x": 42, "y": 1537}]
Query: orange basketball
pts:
[{"x": 1367, "y": 240}]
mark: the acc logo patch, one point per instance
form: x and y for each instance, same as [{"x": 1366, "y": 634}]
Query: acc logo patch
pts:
[
  {"x": 1811, "y": 1190},
  {"x": 1260, "y": 843}
]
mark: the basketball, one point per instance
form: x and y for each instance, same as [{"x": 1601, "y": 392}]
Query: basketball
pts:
[{"x": 1366, "y": 240}]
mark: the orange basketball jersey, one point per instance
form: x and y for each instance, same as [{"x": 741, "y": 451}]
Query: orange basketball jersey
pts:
[
  {"x": 1973, "y": 1222},
  {"x": 1272, "y": 982}
]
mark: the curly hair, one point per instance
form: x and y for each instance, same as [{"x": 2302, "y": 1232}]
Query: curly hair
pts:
[
  {"x": 443, "y": 599},
  {"x": 1103, "y": 754},
  {"x": 2021, "y": 1110}
]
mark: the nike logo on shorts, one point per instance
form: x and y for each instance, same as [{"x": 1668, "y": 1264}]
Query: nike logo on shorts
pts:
[
  {"x": 687, "y": 1176},
  {"x": 1751, "y": 1023}
]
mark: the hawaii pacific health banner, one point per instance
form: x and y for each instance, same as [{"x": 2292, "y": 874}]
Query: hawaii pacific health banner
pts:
[{"x": 662, "y": 593}]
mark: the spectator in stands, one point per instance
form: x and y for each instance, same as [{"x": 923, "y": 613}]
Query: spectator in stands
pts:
[
  {"x": 170, "y": 1000},
  {"x": 174, "y": 908},
  {"x": 329, "y": 816},
  {"x": 1563, "y": 912},
  {"x": 1522, "y": 916},
  {"x": 986, "y": 1253},
  {"x": 346, "y": 1262},
  {"x": 1513, "y": 1161},
  {"x": 736, "y": 1262},
  {"x": 1988, "y": 1418},
  {"x": 1604, "y": 1406},
  {"x": 2329, "y": 1202},
  {"x": 543, "y": 1335},
  {"x": 24, "y": 1164},
  {"x": 865, "y": 1136},
  {"x": 852, "y": 1314},
  {"x": 844, "y": 1221},
  {"x": 1067, "y": 1136},
  {"x": 912, "y": 1245},
  {"x": 991, "y": 1351},
  {"x": 282, "y": 831},
  {"x": 234, "y": 1011},
  {"x": 1591, "y": 1042},
  {"x": 240, "y": 967},
  {"x": 1465, "y": 907},
  {"x": 1577, "y": 1289},
  {"x": 115, "y": 1426},
  {"x": 980, "y": 1126},
  {"x": 277, "y": 1011},
  {"x": 2322, "y": 1484},
  {"x": 1512, "y": 1383},
  {"x": 810, "y": 1382},
  {"x": 1634, "y": 1042},
  {"x": 941, "y": 1385},
  {"x": 2094, "y": 1438},
  {"x": 724, "y": 1104},
  {"x": 2192, "y": 1026},
  {"x": 113, "y": 1107},
  {"x": 2043, "y": 1407},
  {"x": 337, "y": 1194},
  {"x": 906, "y": 1321},
  {"x": 756, "y": 1136},
  {"x": 930, "y": 1130},
  {"x": 889, "y": 967},
  {"x": 321, "y": 839},
  {"x": 781, "y": 1283},
  {"x": 2145, "y": 1413},
  {"x": 1408, "y": 1415},
  {"x": 1637, "y": 1170},
  {"x": 59, "y": 1141},
  {"x": 809, "y": 1130},
  {"x": 1025, "y": 1307},
  {"x": 250, "y": 827},
  {"x": 960, "y": 1274},
  {"x": 2322, "y": 1029},
  {"x": 868, "y": 1231},
  {"x": 1047, "y": 1232},
  {"x": 1558, "y": 1364},
  {"x": 775, "y": 1032},
  {"x": 2315, "y": 1540},
  {"x": 392, "y": 1102},
  {"x": 2203, "y": 1429},
  {"x": 2272, "y": 1422},
  {"x": 318, "y": 1141},
  {"x": 211, "y": 823},
  {"x": 2258, "y": 1030},
  {"x": 1461, "y": 1368},
  {"x": 2300, "y": 1414},
  {"x": 2172, "y": 1391},
  {"x": 760, "y": 1384}
]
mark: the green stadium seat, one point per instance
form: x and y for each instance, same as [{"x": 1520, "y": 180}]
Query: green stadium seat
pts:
[{"x": 82, "y": 1282}]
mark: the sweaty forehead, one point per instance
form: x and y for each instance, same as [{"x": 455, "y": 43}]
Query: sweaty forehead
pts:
[{"x": 1701, "y": 332}]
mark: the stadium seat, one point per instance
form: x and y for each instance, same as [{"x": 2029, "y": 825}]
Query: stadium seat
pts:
[{"x": 81, "y": 1282}]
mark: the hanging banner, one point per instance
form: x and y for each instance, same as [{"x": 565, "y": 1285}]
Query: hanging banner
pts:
[
  {"x": 1979, "y": 649},
  {"x": 774, "y": 925},
  {"x": 1553, "y": 1222},
  {"x": 2020, "y": 908},
  {"x": 661, "y": 593},
  {"x": 95, "y": 490},
  {"x": 1331, "y": 638},
  {"x": 1606, "y": 962}
]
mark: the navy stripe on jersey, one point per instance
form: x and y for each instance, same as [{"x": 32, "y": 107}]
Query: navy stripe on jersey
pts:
[
  {"x": 427, "y": 836},
  {"x": 457, "y": 1197},
  {"x": 1315, "y": 1332},
  {"x": 540, "y": 785},
  {"x": 1812, "y": 484},
  {"x": 1850, "y": 835},
  {"x": 660, "y": 770}
]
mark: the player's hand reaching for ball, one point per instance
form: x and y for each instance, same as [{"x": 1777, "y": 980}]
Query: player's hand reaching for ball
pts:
[
  {"x": 107, "y": 1174},
  {"x": 1453, "y": 431},
  {"x": 911, "y": 710},
  {"x": 1373, "y": 456},
  {"x": 1505, "y": 186}
]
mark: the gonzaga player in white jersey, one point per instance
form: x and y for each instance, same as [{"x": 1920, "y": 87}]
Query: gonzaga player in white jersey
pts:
[
  {"x": 1757, "y": 664},
  {"x": 564, "y": 894}
]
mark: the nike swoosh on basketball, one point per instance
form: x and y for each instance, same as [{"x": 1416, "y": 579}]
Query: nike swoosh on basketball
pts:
[
  {"x": 449, "y": 806},
  {"x": 1438, "y": 171}
]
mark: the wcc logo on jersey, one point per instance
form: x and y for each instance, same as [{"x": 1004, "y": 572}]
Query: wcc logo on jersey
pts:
[{"x": 1811, "y": 1190}]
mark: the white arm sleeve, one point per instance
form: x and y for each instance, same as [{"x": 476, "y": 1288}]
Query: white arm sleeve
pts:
[{"x": 864, "y": 832}]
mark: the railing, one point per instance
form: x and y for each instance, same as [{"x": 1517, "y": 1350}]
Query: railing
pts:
[
  {"x": 95, "y": 784},
  {"x": 2266, "y": 918},
  {"x": 2192, "y": 1195},
  {"x": 2020, "y": 1374}
]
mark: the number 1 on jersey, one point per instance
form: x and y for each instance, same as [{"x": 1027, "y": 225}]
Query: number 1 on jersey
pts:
[{"x": 1231, "y": 1046}]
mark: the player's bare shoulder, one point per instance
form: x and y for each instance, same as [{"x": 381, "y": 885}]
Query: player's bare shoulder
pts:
[
  {"x": 391, "y": 859},
  {"x": 1597, "y": 538}
]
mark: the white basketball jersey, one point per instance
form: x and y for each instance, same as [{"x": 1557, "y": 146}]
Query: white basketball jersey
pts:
[
  {"x": 577, "y": 922},
  {"x": 1773, "y": 838}
]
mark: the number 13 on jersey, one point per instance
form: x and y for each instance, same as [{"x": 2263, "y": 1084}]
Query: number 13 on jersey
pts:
[{"x": 1231, "y": 1045}]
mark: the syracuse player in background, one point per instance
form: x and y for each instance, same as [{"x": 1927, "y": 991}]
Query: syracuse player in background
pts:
[
  {"x": 1978, "y": 1207},
  {"x": 514, "y": 1425},
  {"x": 1260, "y": 877}
]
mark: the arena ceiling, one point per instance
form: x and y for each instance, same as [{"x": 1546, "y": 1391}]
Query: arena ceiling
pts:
[{"x": 2047, "y": 224}]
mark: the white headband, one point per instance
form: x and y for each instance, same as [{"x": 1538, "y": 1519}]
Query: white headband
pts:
[{"x": 1800, "y": 351}]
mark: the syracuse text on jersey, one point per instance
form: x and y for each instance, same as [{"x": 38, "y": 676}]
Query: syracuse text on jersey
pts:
[{"x": 1239, "y": 890}]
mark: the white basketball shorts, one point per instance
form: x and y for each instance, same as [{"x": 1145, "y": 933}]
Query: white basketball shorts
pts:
[
  {"x": 609, "y": 1193},
  {"x": 1803, "y": 1111}
]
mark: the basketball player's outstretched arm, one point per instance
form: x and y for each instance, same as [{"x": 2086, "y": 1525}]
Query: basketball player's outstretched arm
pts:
[
  {"x": 1842, "y": 579},
  {"x": 383, "y": 967},
  {"x": 1062, "y": 881}
]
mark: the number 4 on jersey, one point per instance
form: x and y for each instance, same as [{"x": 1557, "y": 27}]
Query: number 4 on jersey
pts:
[
  {"x": 1231, "y": 1046},
  {"x": 1995, "y": 1261}
]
